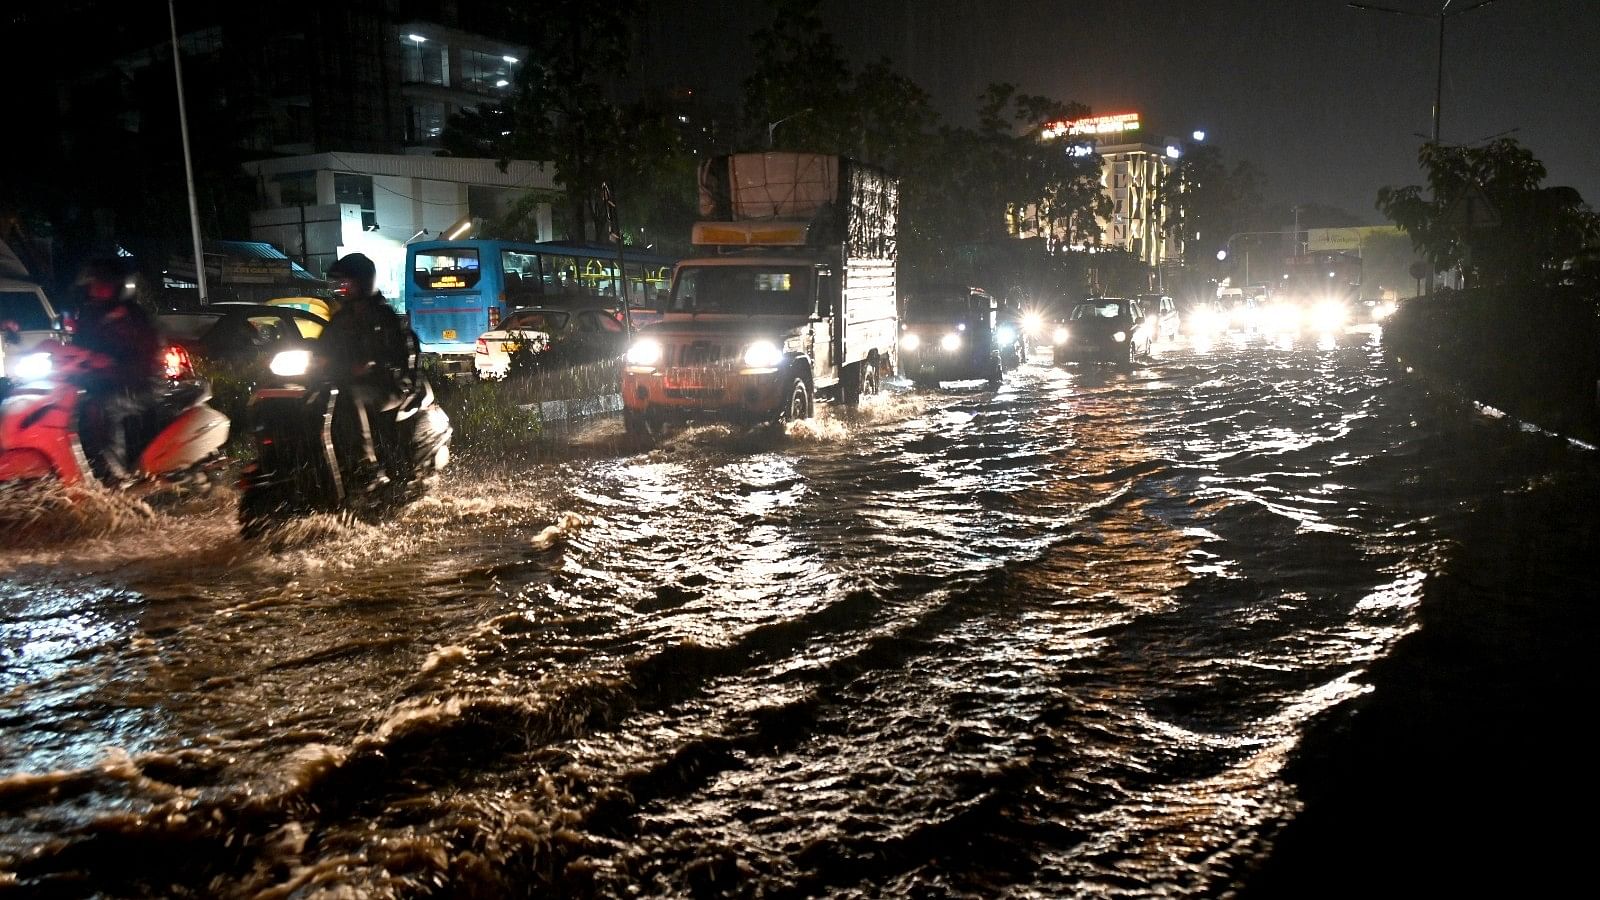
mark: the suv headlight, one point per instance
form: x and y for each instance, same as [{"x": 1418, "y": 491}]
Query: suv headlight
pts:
[
  {"x": 950, "y": 342},
  {"x": 910, "y": 341},
  {"x": 645, "y": 352},
  {"x": 290, "y": 363},
  {"x": 1062, "y": 335},
  {"x": 762, "y": 355}
]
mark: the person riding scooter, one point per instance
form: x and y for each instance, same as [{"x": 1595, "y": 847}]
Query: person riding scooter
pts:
[
  {"x": 122, "y": 365},
  {"x": 370, "y": 355}
]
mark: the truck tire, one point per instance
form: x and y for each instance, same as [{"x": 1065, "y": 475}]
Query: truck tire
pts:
[{"x": 799, "y": 404}]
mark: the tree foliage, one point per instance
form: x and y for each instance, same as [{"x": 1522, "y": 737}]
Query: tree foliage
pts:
[
  {"x": 1206, "y": 202},
  {"x": 1538, "y": 227}
]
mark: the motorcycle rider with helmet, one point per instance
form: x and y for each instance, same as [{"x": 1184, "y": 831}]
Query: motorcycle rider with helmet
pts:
[
  {"x": 371, "y": 356},
  {"x": 123, "y": 350}
]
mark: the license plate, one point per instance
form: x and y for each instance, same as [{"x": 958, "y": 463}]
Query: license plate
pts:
[{"x": 449, "y": 334}]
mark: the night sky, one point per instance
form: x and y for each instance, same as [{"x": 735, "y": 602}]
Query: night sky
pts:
[{"x": 1326, "y": 99}]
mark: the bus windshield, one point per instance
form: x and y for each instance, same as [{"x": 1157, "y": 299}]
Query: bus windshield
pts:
[
  {"x": 455, "y": 269},
  {"x": 745, "y": 290}
]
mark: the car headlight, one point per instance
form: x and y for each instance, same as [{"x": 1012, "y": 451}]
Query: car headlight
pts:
[
  {"x": 950, "y": 342},
  {"x": 644, "y": 352},
  {"x": 290, "y": 363},
  {"x": 1062, "y": 335},
  {"x": 1383, "y": 311},
  {"x": 34, "y": 366},
  {"x": 910, "y": 342},
  {"x": 1032, "y": 323},
  {"x": 1119, "y": 336},
  {"x": 762, "y": 355},
  {"x": 1006, "y": 335}
]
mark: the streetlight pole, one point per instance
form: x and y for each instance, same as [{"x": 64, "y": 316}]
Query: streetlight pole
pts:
[
  {"x": 1444, "y": 13},
  {"x": 188, "y": 161},
  {"x": 772, "y": 127}
]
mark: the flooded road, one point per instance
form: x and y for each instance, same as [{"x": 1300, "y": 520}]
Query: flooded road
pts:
[{"x": 1056, "y": 639}]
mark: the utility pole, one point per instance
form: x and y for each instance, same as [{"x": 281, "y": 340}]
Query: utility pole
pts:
[{"x": 188, "y": 161}]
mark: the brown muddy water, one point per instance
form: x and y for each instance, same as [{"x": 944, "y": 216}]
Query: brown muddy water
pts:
[{"x": 1057, "y": 639}]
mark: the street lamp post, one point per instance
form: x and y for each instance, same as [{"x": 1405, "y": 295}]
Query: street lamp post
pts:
[
  {"x": 1443, "y": 15},
  {"x": 188, "y": 162},
  {"x": 1227, "y": 247},
  {"x": 772, "y": 127}
]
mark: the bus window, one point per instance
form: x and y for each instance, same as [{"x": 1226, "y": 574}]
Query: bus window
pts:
[
  {"x": 523, "y": 284},
  {"x": 561, "y": 277},
  {"x": 446, "y": 270}
]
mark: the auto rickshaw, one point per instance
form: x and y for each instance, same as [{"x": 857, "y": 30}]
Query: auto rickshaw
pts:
[{"x": 950, "y": 334}]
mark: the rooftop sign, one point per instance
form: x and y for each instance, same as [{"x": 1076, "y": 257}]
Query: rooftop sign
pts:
[{"x": 1093, "y": 126}]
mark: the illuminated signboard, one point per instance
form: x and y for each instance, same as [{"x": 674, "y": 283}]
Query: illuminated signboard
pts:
[
  {"x": 1094, "y": 126},
  {"x": 445, "y": 282}
]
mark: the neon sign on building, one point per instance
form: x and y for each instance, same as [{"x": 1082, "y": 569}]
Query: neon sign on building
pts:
[{"x": 1093, "y": 126}]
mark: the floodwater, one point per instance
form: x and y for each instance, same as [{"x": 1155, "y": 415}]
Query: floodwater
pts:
[{"x": 1061, "y": 638}]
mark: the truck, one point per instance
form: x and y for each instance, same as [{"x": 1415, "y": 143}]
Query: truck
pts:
[{"x": 792, "y": 293}]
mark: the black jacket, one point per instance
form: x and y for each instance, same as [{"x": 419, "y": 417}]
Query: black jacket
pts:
[
  {"x": 124, "y": 341},
  {"x": 366, "y": 330}
]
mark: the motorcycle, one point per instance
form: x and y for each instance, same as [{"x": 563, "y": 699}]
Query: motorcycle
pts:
[
  {"x": 306, "y": 462},
  {"x": 42, "y": 418}
]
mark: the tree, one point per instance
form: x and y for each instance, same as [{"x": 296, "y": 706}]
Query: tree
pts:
[
  {"x": 800, "y": 79},
  {"x": 1206, "y": 202},
  {"x": 1537, "y": 229}
]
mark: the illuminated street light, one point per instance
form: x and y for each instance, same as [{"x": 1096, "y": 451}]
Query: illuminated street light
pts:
[
  {"x": 1173, "y": 152},
  {"x": 416, "y": 39},
  {"x": 511, "y": 59},
  {"x": 1222, "y": 255},
  {"x": 1199, "y": 135}
]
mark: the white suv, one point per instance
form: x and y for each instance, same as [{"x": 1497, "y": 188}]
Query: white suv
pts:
[{"x": 26, "y": 320}]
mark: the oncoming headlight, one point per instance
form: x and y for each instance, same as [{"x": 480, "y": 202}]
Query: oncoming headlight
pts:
[
  {"x": 34, "y": 366},
  {"x": 762, "y": 355},
  {"x": 644, "y": 352},
  {"x": 910, "y": 342},
  {"x": 290, "y": 363},
  {"x": 1006, "y": 335},
  {"x": 1119, "y": 336},
  {"x": 1062, "y": 335},
  {"x": 950, "y": 342},
  {"x": 1032, "y": 323}
]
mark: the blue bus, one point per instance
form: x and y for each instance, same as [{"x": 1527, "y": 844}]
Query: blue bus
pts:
[{"x": 457, "y": 290}]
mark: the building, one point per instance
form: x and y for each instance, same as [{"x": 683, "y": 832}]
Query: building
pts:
[
  {"x": 321, "y": 206},
  {"x": 1134, "y": 163}
]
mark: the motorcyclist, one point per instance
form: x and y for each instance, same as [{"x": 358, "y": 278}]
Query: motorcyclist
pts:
[
  {"x": 371, "y": 356},
  {"x": 123, "y": 364}
]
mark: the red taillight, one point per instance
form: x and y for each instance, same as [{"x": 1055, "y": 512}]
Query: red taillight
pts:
[
  {"x": 481, "y": 347},
  {"x": 494, "y": 316},
  {"x": 177, "y": 363}
]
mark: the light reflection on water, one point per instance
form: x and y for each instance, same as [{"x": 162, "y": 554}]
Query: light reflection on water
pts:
[{"x": 1054, "y": 639}]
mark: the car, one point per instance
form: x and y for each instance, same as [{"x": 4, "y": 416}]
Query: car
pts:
[
  {"x": 241, "y": 336},
  {"x": 578, "y": 334},
  {"x": 1103, "y": 329},
  {"x": 1205, "y": 317},
  {"x": 1161, "y": 312},
  {"x": 27, "y": 319},
  {"x": 950, "y": 333}
]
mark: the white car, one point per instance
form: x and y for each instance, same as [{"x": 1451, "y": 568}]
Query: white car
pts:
[
  {"x": 540, "y": 328},
  {"x": 26, "y": 320}
]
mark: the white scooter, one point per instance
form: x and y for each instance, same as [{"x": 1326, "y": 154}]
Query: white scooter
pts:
[{"x": 40, "y": 418}]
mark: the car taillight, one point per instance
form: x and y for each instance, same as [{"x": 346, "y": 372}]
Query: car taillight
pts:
[
  {"x": 177, "y": 364},
  {"x": 494, "y": 316},
  {"x": 481, "y": 347}
]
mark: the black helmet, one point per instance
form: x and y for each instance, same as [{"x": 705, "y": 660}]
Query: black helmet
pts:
[
  {"x": 106, "y": 280},
  {"x": 354, "y": 266}
]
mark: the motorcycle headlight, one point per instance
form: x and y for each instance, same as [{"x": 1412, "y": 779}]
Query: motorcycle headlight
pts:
[
  {"x": 1119, "y": 336},
  {"x": 1032, "y": 323},
  {"x": 644, "y": 352},
  {"x": 1062, "y": 335},
  {"x": 1006, "y": 334},
  {"x": 910, "y": 342},
  {"x": 34, "y": 366},
  {"x": 290, "y": 363},
  {"x": 762, "y": 355},
  {"x": 950, "y": 342}
]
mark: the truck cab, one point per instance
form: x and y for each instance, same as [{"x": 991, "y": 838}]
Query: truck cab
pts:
[{"x": 782, "y": 306}]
